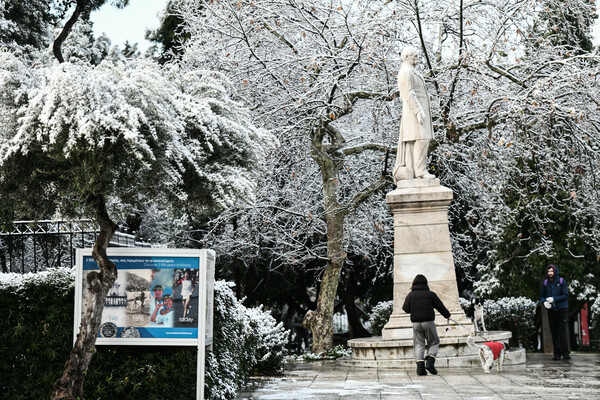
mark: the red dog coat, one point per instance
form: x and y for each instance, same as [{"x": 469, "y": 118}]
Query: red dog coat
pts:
[{"x": 496, "y": 348}]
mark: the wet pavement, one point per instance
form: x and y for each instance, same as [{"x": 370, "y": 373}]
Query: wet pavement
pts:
[{"x": 539, "y": 378}]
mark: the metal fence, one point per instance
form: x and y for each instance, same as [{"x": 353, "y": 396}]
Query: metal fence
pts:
[{"x": 32, "y": 246}]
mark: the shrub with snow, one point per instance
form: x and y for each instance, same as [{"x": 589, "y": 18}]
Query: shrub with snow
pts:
[
  {"x": 36, "y": 337},
  {"x": 271, "y": 339},
  {"x": 247, "y": 339},
  {"x": 514, "y": 314},
  {"x": 380, "y": 315}
]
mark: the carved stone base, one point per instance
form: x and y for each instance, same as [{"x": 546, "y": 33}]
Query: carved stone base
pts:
[
  {"x": 422, "y": 246},
  {"x": 454, "y": 351}
]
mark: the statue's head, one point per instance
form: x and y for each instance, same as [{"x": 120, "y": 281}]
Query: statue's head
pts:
[{"x": 410, "y": 55}]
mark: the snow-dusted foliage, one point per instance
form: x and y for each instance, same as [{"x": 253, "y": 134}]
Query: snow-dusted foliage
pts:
[
  {"x": 302, "y": 67},
  {"x": 129, "y": 130},
  {"x": 24, "y": 24},
  {"x": 520, "y": 141},
  {"x": 60, "y": 278},
  {"x": 330, "y": 354},
  {"x": 244, "y": 339},
  {"x": 247, "y": 339},
  {"x": 271, "y": 340},
  {"x": 380, "y": 315},
  {"x": 584, "y": 291},
  {"x": 308, "y": 86},
  {"x": 81, "y": 47},
  {"x": 515, "y": 104},
  {"x": 514, "y": 314},
  {"x": 302, "y": 83}
]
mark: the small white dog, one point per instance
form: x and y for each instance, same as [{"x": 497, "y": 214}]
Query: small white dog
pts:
[
  {"x": 488, "y": 352},
  {"x": 475, "y": 312}
]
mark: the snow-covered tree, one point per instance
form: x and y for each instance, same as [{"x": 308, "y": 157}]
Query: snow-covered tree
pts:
[
  {"x": 83, "y": 138},
  {"x": 81, "y": 9},
  {"x": 169, "y": 36},
  {"x": 516, "y": 134},
  {"x": 517, "y": 137},
  {"x": 25, "y": 23},
  {"x": 322, "y": 75}
]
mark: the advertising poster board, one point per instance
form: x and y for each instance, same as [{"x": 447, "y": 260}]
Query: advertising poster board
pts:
[{"x": 158, "y": 298}]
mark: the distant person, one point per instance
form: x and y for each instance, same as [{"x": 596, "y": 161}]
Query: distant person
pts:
[
  {"x": 554, "y": 292},
  {"x": 301, "y": 333},
  {"x": 420, "y": 304}
]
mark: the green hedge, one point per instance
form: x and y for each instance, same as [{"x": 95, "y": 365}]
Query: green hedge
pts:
[
  {"x": 36, "y": 337},
  {"x": 514, "y": 314}
]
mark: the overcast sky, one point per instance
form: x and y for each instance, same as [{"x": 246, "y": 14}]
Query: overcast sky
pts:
[{"x": 129, "y": 23}]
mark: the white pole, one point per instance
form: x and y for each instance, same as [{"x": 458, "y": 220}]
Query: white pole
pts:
[{"x": 201, "y": 327}]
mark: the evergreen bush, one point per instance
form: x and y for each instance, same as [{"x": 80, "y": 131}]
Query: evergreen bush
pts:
[
  {"x": 380, "y": 315},
  {"x": 36, "y": 337},
  {"x": 514, "y": 314}
]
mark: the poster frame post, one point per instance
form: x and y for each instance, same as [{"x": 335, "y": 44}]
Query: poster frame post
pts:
[
  {"x": 138, "y": 258},
  {"x": 207, "y": 277}
]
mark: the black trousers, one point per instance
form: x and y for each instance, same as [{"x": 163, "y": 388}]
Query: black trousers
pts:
[{"x": 558, "y": 321}]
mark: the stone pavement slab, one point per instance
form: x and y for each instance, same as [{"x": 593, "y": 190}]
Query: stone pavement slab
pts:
[{"x": 539, "y": 379}]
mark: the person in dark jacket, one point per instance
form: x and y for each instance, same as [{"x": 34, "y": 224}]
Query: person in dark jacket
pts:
[
  {"x": 554, "y": 293},
  {"x": 420, "y": 304}
]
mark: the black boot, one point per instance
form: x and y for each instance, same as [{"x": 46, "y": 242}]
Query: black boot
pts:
[
  {"x": 421, "y": 368},
  {"x": 430, "y": 365}
]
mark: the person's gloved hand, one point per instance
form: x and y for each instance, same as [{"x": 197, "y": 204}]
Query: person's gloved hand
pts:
[
  {"x": 547, "y": 305},
  {"x": 550, "y": 300}
]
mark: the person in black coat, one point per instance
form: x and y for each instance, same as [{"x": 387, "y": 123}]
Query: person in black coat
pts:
[{"x": 420, "y": 304}]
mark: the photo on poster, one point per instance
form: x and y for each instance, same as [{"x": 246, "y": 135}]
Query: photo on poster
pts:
[
  {"x": 138, "y": 297},
  {"x": 161, "y": 304},
  {"x": 115, "y": 307},
  {"x": 185, "y": 293}
]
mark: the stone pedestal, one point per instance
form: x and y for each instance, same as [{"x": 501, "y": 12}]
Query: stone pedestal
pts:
[
  {"x": 398, "y": 354},
  {"x": 422, "y": 246}
]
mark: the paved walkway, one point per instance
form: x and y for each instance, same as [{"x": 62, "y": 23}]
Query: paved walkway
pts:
[{"x": 539, "y": 378}]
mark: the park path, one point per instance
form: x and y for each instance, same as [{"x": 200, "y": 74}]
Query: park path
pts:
[{"x": 539, "y": 378}]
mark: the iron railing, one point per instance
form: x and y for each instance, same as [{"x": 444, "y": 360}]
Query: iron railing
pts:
[{"x": 32, "y": 246}]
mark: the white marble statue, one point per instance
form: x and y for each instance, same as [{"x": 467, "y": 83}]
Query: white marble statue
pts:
[{"x": 416, "y": 129}]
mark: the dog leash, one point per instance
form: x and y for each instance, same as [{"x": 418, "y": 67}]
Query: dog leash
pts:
[{"x": 458, "y": 323}]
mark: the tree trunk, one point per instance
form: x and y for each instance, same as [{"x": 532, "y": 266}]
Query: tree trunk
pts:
[
  {"x": 56, "y": 46},
  {"x": 357, "y": 330},
  {"x": 70, "y": 385},
  {"x": 320, "y": 321}
]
